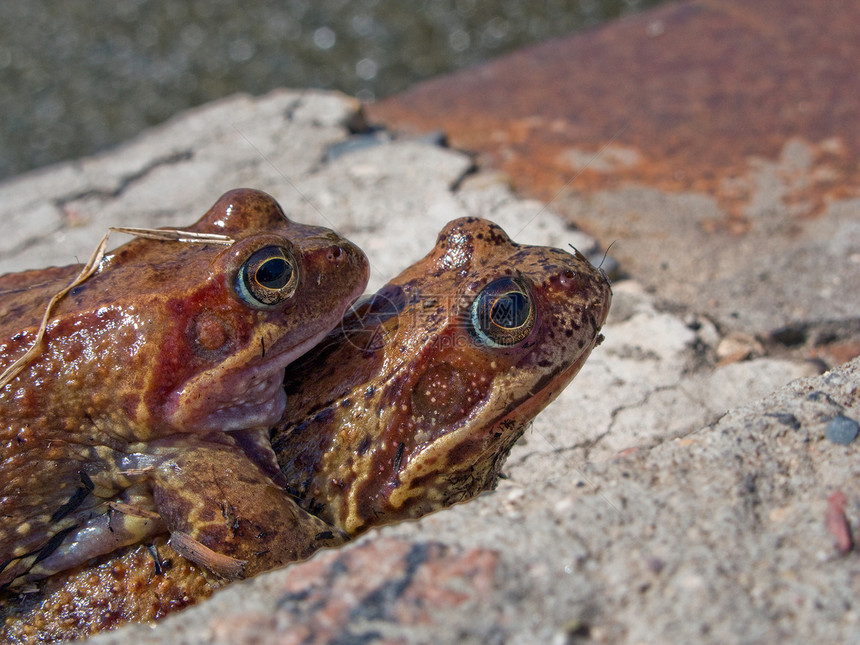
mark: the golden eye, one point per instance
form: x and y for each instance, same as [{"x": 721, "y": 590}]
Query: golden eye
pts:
[
  {"x": 268, "y": 277},
  {"x": 502, "y": 313}
]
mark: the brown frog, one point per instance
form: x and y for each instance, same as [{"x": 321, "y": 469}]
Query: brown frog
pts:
[
  {"x": 412, "y": 404},
  {"x": 422, "y": 391},
  {"x": 147, "y": 408}
]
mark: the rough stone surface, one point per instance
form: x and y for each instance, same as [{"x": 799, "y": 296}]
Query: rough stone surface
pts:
[
  {"x": 635, "y": 510},
  {"x": 734, "y": 533},
  {"x": 387, "y": 590}
]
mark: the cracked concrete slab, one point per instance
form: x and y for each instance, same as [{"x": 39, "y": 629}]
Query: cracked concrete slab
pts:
[{"x": 628, "y": 505}]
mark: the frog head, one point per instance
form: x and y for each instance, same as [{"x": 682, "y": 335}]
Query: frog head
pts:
[
  {"x": 175, "y": 336},
  {"x": 419, "y": 396}
]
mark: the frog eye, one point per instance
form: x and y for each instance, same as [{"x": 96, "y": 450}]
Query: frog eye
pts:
[
  {"x": 268, "y": 277},
  {"x": 503, "y": 313}
]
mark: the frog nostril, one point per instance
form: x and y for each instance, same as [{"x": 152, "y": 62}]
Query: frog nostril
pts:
[
  {"x": 335, "y": 253},
  {"x": 569, "y": 280},
  {"x": 567, "y": 276}
]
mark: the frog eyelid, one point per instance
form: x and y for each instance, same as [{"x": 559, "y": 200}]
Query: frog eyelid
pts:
[
  {"x": 503, "y": 313},
  {"x": 268, "y": 277}
]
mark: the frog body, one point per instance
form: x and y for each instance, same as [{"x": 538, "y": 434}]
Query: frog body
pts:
[
  {"x": 161, "y": 368},
  {"x": 411, "y": 404}
]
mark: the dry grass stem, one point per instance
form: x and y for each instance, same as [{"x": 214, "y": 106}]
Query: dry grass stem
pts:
[{"x": 171, "y": 235}]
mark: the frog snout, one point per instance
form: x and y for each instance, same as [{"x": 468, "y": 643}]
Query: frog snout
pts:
[{"x": 342, "y": 258}]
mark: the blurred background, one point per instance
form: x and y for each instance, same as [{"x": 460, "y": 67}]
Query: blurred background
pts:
[{"x": 77, "y": 77}]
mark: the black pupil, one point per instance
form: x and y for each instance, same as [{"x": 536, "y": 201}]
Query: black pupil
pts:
[
  {"x": 510, "y": 310},
  {"x": 273, "y": 273}
]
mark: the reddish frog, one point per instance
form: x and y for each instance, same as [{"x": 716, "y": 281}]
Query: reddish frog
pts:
[
  {"x": 148, "y": 406},
  {"x": 410, "y": 405}
]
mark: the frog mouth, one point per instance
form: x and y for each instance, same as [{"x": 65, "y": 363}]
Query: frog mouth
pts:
[{"x": 237, "y": 398}]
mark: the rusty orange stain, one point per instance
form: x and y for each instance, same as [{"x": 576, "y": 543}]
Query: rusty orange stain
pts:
[{"x": 703, "y": 92}]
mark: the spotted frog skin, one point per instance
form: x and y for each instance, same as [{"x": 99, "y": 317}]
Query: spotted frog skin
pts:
[
  {"x": 148, "y": 407},
  {"x": 410, "y": 405},
  {"x": 421, "y": 393}
]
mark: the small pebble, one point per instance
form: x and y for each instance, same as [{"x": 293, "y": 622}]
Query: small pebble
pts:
[
  {"x": 841, "y": 430},
  {"x": 738, "y": 346}
]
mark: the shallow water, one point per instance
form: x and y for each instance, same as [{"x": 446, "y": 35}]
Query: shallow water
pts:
[{"x": 77, "y": 77}]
